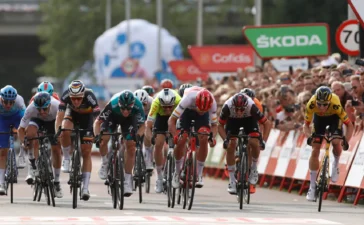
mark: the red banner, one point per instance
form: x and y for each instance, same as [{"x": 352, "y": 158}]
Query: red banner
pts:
[
  {"x": 186, "y": 70},
  {"x": 222, "y": 58}
]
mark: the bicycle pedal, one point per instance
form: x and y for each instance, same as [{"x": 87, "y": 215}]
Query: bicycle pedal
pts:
[{"x": 106, "y": 182}]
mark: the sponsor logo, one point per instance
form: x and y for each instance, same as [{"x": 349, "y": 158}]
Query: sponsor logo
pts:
[{"x": 264, "y": 41}]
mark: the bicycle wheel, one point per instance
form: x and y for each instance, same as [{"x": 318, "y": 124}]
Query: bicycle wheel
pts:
[
  {"x": 112, "y": 182},
  {"x": 139, "y": 174},
  {"x": 185, "y": 187},
  {"x": 193, "y": 174},
  {"x": 120, "y": 181},
  {"x": 147, "y": 182},
  {"x": 180, "y": 191},
  {"x": 169, "y": 180},
  {"x": 11, "y": 174},
  {"x": 246, "y": 181},
  {"x": 74, "y": 181},
  {"x": 322, "y": 183},
  {"x": 242, "y": 179},
  {"x": 35, "y": 190},
  {"x": 48, "y": 175}
]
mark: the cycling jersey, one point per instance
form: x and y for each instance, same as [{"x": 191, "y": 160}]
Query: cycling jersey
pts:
[
  {"x": 89, "y": 103},
  {"x": 18, "y": 107},
  {"x": 32, "y": 112},
  {"x": 334, "y": 108},
  {"x": 189, "y": 102},
  {"x": 112, "y": 108},
  {"x": 148, "y": 106},
  {"x": 228, "y": 111},
  {"x": 54, "y": 95},
  {"x": 157, "y": 109}
]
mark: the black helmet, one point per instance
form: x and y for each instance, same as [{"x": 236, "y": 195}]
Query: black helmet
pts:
[
  {"x": 182, "y": 88},
  {"x": 323, "y": 94},
  {"x": 248, "y": 92},
  {"x": 42, "y": 100}
]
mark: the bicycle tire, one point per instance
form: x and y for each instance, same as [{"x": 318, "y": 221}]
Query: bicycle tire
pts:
[
  {"x": 193, "y": 172},
  {"x": 169, "y": 181},
  {"x": 147, "y": 182},
  {"x": 35, "y": 190},
  {"x": 120, "y": 181},
  {"x": 74, "y": 181},
  {"x": 170, "y": 177},
  {"x": 322, "y": 183},
  {"x": 46, "y": 190},
  {"x": 11, "y": 176},
  {"x": 48, "y": 174},
  {"x": 40, "y": 192},
  {"x": 112, "y": 181},
  {"x": 179, "y": 195},
  {"x": 140, "y": 174},
  {"x": 185, "y": 187},
  {"x": 247, "y": 182}
]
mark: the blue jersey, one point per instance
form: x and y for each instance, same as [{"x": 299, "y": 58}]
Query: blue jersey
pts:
[{"x": 16, "y": 109}]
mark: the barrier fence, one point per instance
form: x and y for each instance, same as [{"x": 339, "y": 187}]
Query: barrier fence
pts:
[{"x": 284, "y": 164}]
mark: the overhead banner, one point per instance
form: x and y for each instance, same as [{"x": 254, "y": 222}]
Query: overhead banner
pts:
[
  {"x": 222, "y": 58},
  {"x": 186, "y": 70},
  {"x": 282, "y": 65},
  {"x": 289, "y": 40}
]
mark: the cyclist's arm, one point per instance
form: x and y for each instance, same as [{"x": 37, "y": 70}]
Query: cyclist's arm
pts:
[
  {"x": 213, "y": 118},
  {"x": 224, "y": 115},
  {"x": 344, "y": 117},
  {"x": 258, "y": 115},
  {"x": 104, "y": 116},
  {"x": 29, "y": 113}
]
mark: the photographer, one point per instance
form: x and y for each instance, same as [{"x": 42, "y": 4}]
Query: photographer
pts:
[
  {"x": 285, "y": 120},
  {"x": 356, "y": 104}
]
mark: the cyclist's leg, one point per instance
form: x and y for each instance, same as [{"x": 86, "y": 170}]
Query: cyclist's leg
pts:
[
  {"x": 232, "y": 126},
  {"x": 67, "y": 123},
  {"x": 129, "y": 155},
  {"x": 148, "y": 149},
  {"x": 202, "y": 125},
  {"x": 86, "y": 137},
  {"x": 319, "y": 125},
  {"x": 160, "y": 125},
  {"x": 179, "y": 150},
  {"x": 4, "y": 145},
  {"x": 336, "y": 130},
  {"x": 108, "y": 126},
  {"x": 31, "y": 132}
]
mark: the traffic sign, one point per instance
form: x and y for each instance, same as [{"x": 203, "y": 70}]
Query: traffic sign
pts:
[
  {"x": 347, "y": 37},
  {"x": 358, "y": 8},
  {"x": 289, "y": 40}
]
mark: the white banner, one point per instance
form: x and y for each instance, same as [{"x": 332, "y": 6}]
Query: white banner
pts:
[
  {"x": 302, "y": 161},
  {"x": 285, "y": 155},
  {"x": 282, "y": 65},
  {"x": 265, "y": 155},
  {"x": 356, "y": 173}
]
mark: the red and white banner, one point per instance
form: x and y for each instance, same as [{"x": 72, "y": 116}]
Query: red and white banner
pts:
[
  {"x": 285, "y": 155},
  {"x": 222, "y": 58},
  {"x": 356, "y": 173},
  {"x": 186, "y": 70},
  {"x": 265, "y": 155}
]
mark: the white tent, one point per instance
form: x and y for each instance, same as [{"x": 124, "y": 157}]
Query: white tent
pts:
[{"x": 110, "y": 49}]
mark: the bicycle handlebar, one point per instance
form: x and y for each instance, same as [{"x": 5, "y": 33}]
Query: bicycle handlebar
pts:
[
  {"x": 243, "y": 135},
  {"x": 328, "y": 137}
]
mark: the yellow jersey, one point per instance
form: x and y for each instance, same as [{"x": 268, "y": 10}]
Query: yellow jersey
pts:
[
  {"x": 334, "y": 108},
  {"x": 157, "y": 109}
]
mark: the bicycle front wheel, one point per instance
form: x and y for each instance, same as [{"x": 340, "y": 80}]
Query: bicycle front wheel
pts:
[
  {"x": 11, "y": 174},
  {"x": 193, "y": 175},
  {"x": 139, "y": 174},
  {"x": 74, "y": 173},
  {"x": 120, "y": 181},
  {"x": 322, "y": 183}
]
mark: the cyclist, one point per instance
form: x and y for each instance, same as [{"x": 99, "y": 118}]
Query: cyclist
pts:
[
  {"x": 162, "y": 107},
  {"x": 326, "y": 110},
  {"x": 149, "y": 89},
  {"x": 78, "y": 107},
  {"x": 12, "y": 109},
  {"x": 126, "y": 110},
  {"x": 197, "y": 104},
  {"x": 146, "y": 100},
  {"x": 44, "y": 86},
  {"x": 249, "y": 92},
  {"x": 41, "y": 115},
  {"x": 166, "y": 83},
  {"x": 182, "y": 88},
  {"x": 241, "y": 111}
]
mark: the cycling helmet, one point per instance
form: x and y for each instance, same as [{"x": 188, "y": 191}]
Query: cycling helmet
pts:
[
  {"x": 148, "y": 89},
  {"x": 8, "y": 93},
  {"x": 46, "y": 86},
  {"x": 204, "y": 100},
  {"x": 167, "y": 97},
  {"x": 42, "y": 99},
  {"x": 182, "y": 88},
  {"x": 240, "y": 100},
  {"x": 126, "y": 99},
  {"x": 248, "y": 92},
  {"x": 141, "y": 95},
  {"x": 323, "y": 94},
  {"x": 76, "y": 88},
  {"x": 166, "y": 83}
]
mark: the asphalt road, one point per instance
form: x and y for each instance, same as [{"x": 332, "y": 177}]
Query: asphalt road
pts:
[{"x": 212, "y": 205}]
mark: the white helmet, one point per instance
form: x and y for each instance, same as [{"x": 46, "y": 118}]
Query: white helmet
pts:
[
  {"x": 141, "y": 95},
  {"x": 166, "y": 97},
  {"x": 76, "y": 88}
]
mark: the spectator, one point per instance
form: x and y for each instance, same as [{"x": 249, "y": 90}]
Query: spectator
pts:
[
  {"x": 309, "y": 85},
  {"x": 339, "y": 89}
]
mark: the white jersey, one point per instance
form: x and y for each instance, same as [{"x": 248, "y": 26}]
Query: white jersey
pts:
[
  {"x": 228, "y": 105},
  {"x": 32, "y": 112},
  {"x": 189, "y": 102},
  {"x": 18, "y": 107},
  {"x": 149, "y": 104}
]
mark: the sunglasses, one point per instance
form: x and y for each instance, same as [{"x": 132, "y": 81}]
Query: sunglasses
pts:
[
  {"x": 322, "y": 104},
  {"x": 126, "y": 108},
  {"x": 76, "y": 98},
  {"x": 42, "y": 109},
  {"x": 168, "y": 107},
  {"x": 8, "y": 102},
  {"x": 241, "y": 109},
  {"x": 286, "y": 78}
]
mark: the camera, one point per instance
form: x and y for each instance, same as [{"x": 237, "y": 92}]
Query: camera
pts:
[
  {"x": 348, "y": 72},
  {"x": 359, "y": 62},
  {"x": 354, "y": 103}
]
